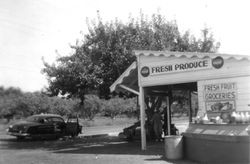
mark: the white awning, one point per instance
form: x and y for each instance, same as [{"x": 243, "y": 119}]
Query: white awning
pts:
[
  {"x": 200, "y": 55},
  {"x": 128, "y": 81}
]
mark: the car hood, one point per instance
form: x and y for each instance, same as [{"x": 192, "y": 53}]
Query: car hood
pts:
[{"x": 25, "y": 123}]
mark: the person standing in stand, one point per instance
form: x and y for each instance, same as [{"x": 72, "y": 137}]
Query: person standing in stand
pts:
[
  {"x": 165, "y": 121},
  {"x": 157, "y": 125}
]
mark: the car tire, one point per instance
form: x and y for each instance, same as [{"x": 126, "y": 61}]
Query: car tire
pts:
[
  {"x": 73, "y": 135},
  {"x": 130, "y": 138},
  {"x": 20, "y": 138}
]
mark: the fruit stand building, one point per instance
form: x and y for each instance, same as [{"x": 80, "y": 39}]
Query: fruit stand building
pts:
[{"x": 222, "y": 82}]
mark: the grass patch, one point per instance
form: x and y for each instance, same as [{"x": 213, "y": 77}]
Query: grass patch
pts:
[
  {"x": 106, "y": 121},
  {"x": 97, "y": 121}
]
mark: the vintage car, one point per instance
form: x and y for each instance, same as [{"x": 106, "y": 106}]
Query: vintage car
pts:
[
  {"x": 45, "y": 126},
  {"x": 133, "y": 132}
]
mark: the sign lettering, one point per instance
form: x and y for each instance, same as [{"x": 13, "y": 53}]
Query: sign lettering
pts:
[
  {"x": 181, "y": 67},
  {"x": 220, "y": 97}
]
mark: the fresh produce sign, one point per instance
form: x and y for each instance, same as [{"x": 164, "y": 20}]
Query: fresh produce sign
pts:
[{"x": 192, "y": 65}]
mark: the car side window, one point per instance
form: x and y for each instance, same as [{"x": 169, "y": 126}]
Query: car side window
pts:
[
  {"x": 49, "y": 120},
  {"x": 56, "y": 119},
  {"x": 43, "y": 120},
  {"x": 72, "y": 120}
]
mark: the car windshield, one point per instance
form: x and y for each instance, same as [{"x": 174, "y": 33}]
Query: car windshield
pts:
[
  {"x": 42, "y": 119},
  {"x": 34, "y": 119}
]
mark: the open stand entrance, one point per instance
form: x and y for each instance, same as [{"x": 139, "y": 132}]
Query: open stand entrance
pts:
[{"x": 177, "y": 103}]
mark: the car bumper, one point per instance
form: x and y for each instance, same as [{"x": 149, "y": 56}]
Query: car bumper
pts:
[{"x": 18, "y": 134}]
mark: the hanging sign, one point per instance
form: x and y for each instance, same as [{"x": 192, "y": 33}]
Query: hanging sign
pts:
[
  {"x": 145, "y": 71},
  {"x": 192, "y": 65},
  {"x": 220, "y": 97},
  {"x": 218, "y": 62}
]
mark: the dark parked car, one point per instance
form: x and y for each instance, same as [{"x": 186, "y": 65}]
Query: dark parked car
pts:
[
  {"x": 133, "y": 132},
  {"x": 45, "y": 126}
]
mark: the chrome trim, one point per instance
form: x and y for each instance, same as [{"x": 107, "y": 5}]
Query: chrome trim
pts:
[{"x": 18, "y": 134}]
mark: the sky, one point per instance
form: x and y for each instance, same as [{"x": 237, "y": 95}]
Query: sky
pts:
[{"x": 34, "y": 29}]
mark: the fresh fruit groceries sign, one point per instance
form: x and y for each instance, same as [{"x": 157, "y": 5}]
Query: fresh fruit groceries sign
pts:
[
  {"x": 192, "y": 65},
  {"x": 220, "y": 96}
]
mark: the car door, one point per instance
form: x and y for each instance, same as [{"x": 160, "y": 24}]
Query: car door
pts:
[
  {"x": 45, "y": 127},
  {"x": 72, "y": 126},
  {"x": 58, "y": 124}
]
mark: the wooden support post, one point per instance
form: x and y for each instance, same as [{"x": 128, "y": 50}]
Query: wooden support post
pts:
[
  {"x": 168, "y": 117},
  {"x": 170, "y": 100},
  {"x": 142, "y": 114},
  {"x": 129, "y": 89},
  {"x": 190, "y": 106}
]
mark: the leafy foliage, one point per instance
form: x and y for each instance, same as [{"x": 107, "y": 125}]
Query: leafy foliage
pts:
[
  {"x": 15, "y": 103},
  {"x": 93, "y": 106},
  {"x": 119, "y": 106},
  {"x": 106, "y": 51}
]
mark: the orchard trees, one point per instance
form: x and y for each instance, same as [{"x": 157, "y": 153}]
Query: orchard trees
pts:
[{"x": 104, "y": 52}]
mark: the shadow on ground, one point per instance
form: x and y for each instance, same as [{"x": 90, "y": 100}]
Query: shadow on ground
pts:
[
  {"x": 98, "y": 145},
  {"x": 85, "y": 145}
]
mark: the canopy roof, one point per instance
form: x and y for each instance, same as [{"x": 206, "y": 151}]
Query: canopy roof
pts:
[
  {"x": 128, "y": 81},
  {"x": 190, "y": 54}
]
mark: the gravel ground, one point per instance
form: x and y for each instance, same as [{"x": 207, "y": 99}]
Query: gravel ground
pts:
[
  {"x": 96, "y": 145},
  {"x": 103, "y": 149}
]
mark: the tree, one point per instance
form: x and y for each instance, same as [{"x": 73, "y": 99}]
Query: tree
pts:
[
  {"x": 119, "y": 106},
  {"x": 93, "y": 105},
  {"x": 15, "y": 103},
  {"x": 9, "y": 102},
  {"x": 106, "y": 51}
]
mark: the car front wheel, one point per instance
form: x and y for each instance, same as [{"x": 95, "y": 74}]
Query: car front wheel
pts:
[
  {"x": 74, "y": 134},
  {"x": 20, "y": 137}
]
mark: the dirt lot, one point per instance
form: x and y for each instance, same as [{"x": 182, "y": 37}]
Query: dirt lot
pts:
[
  {"x": 105, "y": 150},
  {"x": 84, "y": 149}
]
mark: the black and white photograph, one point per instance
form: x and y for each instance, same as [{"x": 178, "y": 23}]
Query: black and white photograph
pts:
[{"x": 124, "y": 82}]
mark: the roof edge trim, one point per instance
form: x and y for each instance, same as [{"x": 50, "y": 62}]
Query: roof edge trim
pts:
[
  {"x": 189, "y": 54},
  {"x": 122, "y": 76}
]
